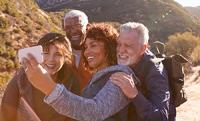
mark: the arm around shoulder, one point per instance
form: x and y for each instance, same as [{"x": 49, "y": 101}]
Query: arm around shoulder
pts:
[{"x": 107, "y": 102}]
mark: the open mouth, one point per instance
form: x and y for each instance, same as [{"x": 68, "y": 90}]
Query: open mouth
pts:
[
  {"x": 90, "y": 58},
  {"x": 123, "y": 57},
  {"x": 50, "y": 66},
  {"x": 75, "y": 37}
]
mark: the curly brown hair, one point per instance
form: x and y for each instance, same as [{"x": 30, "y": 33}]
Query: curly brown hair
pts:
[{"x": 107, "y": 34}]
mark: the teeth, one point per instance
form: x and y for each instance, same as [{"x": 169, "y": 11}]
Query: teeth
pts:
[
  {"x": 90, "y": 57},
  {"x": 76, "y": 37},
  {"x": 50, "y": 65},
  {"x": 123, "y": 56}
]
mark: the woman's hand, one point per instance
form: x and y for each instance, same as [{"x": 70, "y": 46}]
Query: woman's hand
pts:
[
  {"x": 126, "y": 83},
  {"x": 37, "y": 75}
]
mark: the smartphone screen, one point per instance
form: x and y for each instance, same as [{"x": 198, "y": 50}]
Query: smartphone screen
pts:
[{"x": 36, "y": 51}]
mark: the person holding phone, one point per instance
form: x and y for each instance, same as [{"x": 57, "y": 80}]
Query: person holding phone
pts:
[
  {"x": 22, "y": 100},
  {"x": 101, "y": 99}
]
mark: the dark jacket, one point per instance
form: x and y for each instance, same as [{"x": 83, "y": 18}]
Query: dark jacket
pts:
[
  {"x": 152, "y": 101},
  {"x": 18, "y": 88}
]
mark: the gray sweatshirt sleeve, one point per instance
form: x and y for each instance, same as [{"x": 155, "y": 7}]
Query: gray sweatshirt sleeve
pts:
[{"x": 107, "y": 102}]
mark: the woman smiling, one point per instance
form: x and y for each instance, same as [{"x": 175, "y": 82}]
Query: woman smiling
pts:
[
  {"x": 19, "y": 92},
  {"x": 101, "y": 99}
]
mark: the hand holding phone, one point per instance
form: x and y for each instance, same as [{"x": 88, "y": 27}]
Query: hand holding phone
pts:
[{"x": 36, "y": 51}]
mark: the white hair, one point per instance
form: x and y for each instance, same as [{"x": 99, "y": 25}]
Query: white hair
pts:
[
  {"x": 77, "y": 13},
  {"x": 142, "y": 30}
]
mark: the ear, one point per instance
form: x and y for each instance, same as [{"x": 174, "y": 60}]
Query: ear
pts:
[
  {"x": 144, "y": 47},
  {"x": 179, "y": 58},
  {"x": 87, "y": 26}
]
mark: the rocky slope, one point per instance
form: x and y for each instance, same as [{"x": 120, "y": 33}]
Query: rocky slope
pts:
[
  {"x": 22, "y": 23},
  {"x": 163, "y": 17}
]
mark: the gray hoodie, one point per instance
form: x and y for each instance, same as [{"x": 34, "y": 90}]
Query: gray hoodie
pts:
[{"x": 108, "y": 101}]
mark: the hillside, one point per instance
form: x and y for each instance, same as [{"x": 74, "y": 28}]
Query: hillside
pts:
[
  {"x": 163, "y": 17},
  {"x": 194, "y": 10},
  {"x": 22, "y": 23}
]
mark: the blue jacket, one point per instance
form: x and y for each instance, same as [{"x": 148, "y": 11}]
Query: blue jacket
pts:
[{"x": 152, "y": 101}]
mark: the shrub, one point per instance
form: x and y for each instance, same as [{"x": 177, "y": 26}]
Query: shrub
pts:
[
  {"x": 182, "y": 43},
  {"x": 11, "y": 52},
  {"x": 10, "y": 65},
  {"x": 2, "y": 64},
  {"x": 15, "y": 30},
  {"x": 2, "y": 49},
  {"x": 4, "y": 78},
  {"x": 4, "y": 24},
  {"x": 11, "y": 9},
  {"x": 27, "y": 28},
  {"x": 196, "y": 55}
]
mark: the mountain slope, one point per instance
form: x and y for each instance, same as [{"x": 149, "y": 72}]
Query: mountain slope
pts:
[
  {"x": 22, "y": 23},
  {"x": 162, "y": 17},
  {"x": 194, "y": 10}
]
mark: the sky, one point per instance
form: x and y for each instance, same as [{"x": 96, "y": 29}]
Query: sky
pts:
[{"x": 192, "y": 3}]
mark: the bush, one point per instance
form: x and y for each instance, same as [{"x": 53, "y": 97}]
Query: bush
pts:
[
  {"x": 27, "y": 28},
  {"x": 4, "y": 78},
  {"x": 2, "y": 4},
  {"x": 10, "y": 65},
  {"x": 8, "y": 52},
  {"x": 11, "y": 9},
  {"x": 196, "y": 55},
  {"x": 4, "y": 24},
  {"x": 11, "y": 52},
  {"x": 15, "y": 30},
  {"x": 2, "y": 64},
  {"x": 182, "y": 43}
]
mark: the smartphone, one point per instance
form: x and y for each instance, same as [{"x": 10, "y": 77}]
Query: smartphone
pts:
[{"x": 36, "y": 51}]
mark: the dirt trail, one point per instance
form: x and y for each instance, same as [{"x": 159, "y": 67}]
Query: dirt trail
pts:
[{"x": 190, "y": 110}]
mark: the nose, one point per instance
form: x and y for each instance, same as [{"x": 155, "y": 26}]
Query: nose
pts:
[
  {"x": 87, "y": 51},
  {"x": 50, "y": 57},
  {"x": 72, "y": 30},
  {"x": 120, "y": 49}
]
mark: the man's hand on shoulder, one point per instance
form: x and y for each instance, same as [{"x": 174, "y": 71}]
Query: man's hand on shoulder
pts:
[{"x": 126, "y": 83}]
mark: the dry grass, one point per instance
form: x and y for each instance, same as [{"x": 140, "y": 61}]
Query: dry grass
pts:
[{"x": 190, "y": 110}]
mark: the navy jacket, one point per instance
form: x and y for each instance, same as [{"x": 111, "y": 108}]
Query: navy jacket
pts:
[{"x": 152, "y": 101}]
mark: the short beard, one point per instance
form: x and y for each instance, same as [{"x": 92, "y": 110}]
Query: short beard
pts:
[{"x": 127, "y": 63}]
